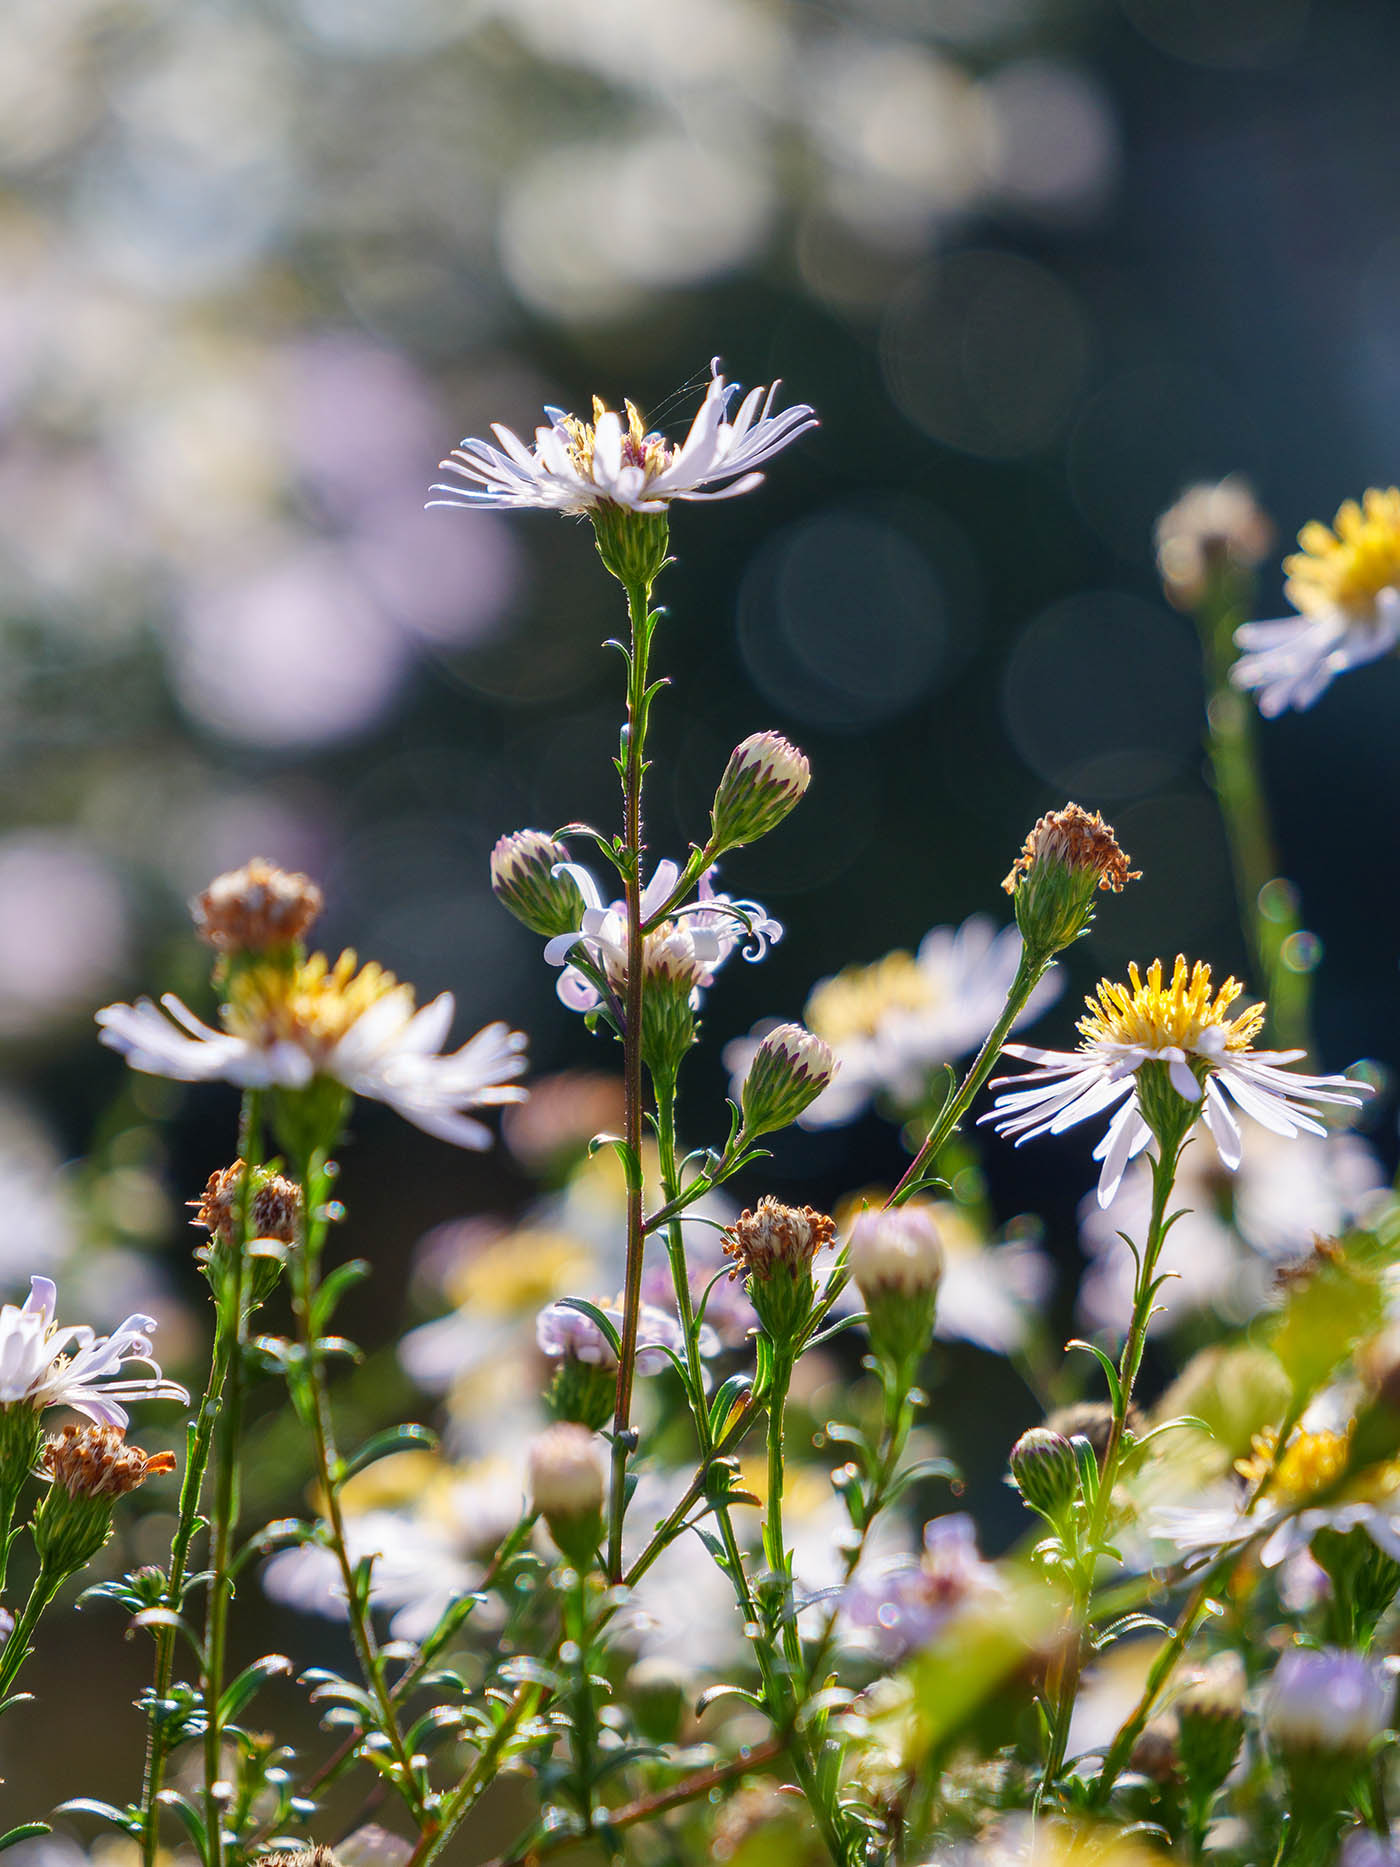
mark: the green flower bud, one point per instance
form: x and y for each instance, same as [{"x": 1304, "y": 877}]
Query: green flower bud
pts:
[
  {"x": 582, "y": 1392},
  {"x": 896, "y": 1259},
  {"x": 790, "y": 1069},
  {"x": 1046, "y": 1471},
  {"x": 1210, "y": 1724},
  {"x": 670, "y": 975},
  {"x": 631, "y": 544},
  {"x": 1068, "y": 857},
  {"x": 524, "y": 881},
  {"x": 762, "y": 783},
  {"x": 566, "y": 1485}
]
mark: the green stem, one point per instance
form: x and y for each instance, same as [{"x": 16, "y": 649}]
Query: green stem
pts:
[
  {"x": 226, "y": 1422},
  {"x": 1065, "y": 1688},
  {"x": 774, "y": 1543},
  {"x": 1268, "y": 909},
  {"x": 329, "y": 1470},
  {"x": 17, "y": 1649},
  {"x": 1028, "y": 975},
  {"x": 675, "y": 1245},
  {"x": 634, "y": 765}
]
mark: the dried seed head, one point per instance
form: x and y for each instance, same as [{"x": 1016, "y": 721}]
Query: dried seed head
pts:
[
  {"x": 95, "y": 1462},
  {"x": 317, "y": 1856},
  {"x": 275, "y": 1210},
  {"x": 777, "y": 1237},
  {"x": 1069, "y": 856},
  {"x": 257, "y": 907}
]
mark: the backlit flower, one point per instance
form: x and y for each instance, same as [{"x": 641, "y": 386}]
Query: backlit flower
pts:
[
  {"x": 699, "y": 937},
  {"x": 1326, "y": 1700},
  {"x": 1186, "y": 1026},
  {"x": 904, "y": 1604},
  {"x": 1345, "y": 585},
  {"x": 44, "y": 1363},
  {"x": 285, "y": 1026},
  {"x": 577, "y": 466}
]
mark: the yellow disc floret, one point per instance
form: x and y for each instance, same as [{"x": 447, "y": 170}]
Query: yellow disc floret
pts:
[
  {"x": 1347, "y": 566},
  {"x": 311, "y": 1004},
  {"x": 639, "y": 449},
  {"x": 856, "y": 1002},
  {"x": 1309, "y": 1463},
  {"x": 1154, "y": 1016}
]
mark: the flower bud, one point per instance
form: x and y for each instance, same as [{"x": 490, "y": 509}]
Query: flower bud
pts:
[
  {"x": 1212, "y": 534},
  {"x": 762, "y": 783},
  {"x": 1046, "y": 1472},
  {"x": 527, "y": 880},
  {"x": 1155, "y": 1754},
  {"x": 584, "y": 1386},
  {"x": 789, "y": 1071},
  {"x": 90, "y": 1467},
  {"x": 670, "y": 976},
  {"x": 1068, "y": 857},
  {"x": 774, "y": 1247},
  {"x": 1210, "y": 1723},
  {"x": 896, "y": 1260},
  {"x": 566, "y": 1485},
  {"x": 1330, "y": 1701},
  {"x": 256, "y": 909}
]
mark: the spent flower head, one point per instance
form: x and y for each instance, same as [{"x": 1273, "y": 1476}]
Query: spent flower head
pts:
[
  {"x": 762, "y": 783},
  {"x": 89, "y": 1468},
  {"x": 1344, "y": 583},
  {"x": 1161, "y": 1049},
  {"x": 775, "y": 1247},
  {"x": 1214, "y": 530},
  {"x": 1069, "y": 856},
  {"x": 274, "y": 1210},
  {"x": 256, "y": 909}
]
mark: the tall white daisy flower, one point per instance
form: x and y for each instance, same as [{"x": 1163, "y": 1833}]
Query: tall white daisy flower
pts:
[
  {"x": 577, "y": 466},
  {"x": 1207, "y": 1053},
  {"x": 1345, "y": 585},
  {"x": 45, "y": 1363},
  {"x": 698, "y": 938},
  {"x": 284, "y": 1026}
]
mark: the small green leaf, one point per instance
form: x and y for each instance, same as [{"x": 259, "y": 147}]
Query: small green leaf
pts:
[
  {"x": 27, "y": 1831},
  {"x": 382, "y": 1445},
  {"x": 241, "y": 1692}
]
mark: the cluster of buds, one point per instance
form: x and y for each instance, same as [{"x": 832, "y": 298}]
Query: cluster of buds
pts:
[
  {"x": 1213, "y": 537},
  {"x": 89, "y": 1468},
  {"x": 1068, "y": 857},
  {"x": 896, "y": 1259},
  {"x": 762, "y": 783},
  {"x": 529, "y": 879},
  {"x": 790, "y": 1069},
  {"x": 256, "y": 909},
  {"x": 566, "y": 1488},
  {"x": 775, "y": 1247}
]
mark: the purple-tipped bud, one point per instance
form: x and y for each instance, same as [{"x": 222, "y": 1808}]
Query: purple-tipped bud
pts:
[
  {"x": 1046, "y": 1473},
  {"x": 762, "y": 783},
  {"x": 790, "y": 1069},
  {"x": 524, "y": 880}
]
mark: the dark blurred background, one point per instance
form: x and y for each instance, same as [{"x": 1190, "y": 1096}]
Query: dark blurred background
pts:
[{"x": 1037, "y": 263}]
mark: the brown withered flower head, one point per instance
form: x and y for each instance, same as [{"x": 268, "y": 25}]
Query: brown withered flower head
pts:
[
  {"x": 777, "y": 1237},
  {"x": 275, "y": 1210},
  {"x": 1081, "y": 840},
  {"x": 318, "y": 1855},
  {"x": 93, "y": 1461},
  {"x": 252, "y": 909}
]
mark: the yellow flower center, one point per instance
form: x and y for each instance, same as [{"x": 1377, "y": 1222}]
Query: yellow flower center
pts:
[
  {"x": 1159, "y": 1017},
  {"x": 311, "y": 1004},
  {"x": 1347, "y": 566},
  {"x": 857, "y": 1001},
  {"x": 639, "y": 449},
  {"x": 1310, "y": 1462}
]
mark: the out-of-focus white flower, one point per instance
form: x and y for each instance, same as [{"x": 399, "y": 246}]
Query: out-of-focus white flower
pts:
[
  {"x": 286, "y": 1026},
  {"x": 1345, "y": 584},
  {"x": 1211, "y": 528},
  {"x": 707, "y": 930},
  {"x": 1329, "y": 1700},
  {"x": 894, "y": 1023},
  {"x": 1185, "y": 1026},
  {"x": 417, "y": 1575},
  {"x": 561, "y": 1331},
  {"x": 903, "y": 1605},
  {"x": 44, "y": 1363},
  {"x": 577, "y": 466},
  {"x": 1285, "y": 1193}
]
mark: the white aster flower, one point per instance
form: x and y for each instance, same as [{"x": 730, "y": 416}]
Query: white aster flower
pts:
[
  {"x": 1345, "y": 584},
  {"x": 577, "y": 466},
  {"x": 891, "y": 1025},
  {"x": 418, "y": 1572},
  {"x": 285, "y": 1026},
  {"x": 1206, "y": 1052},
  {"x": 44, "y": 1363},
  {"x": 698, "y": 938}
]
